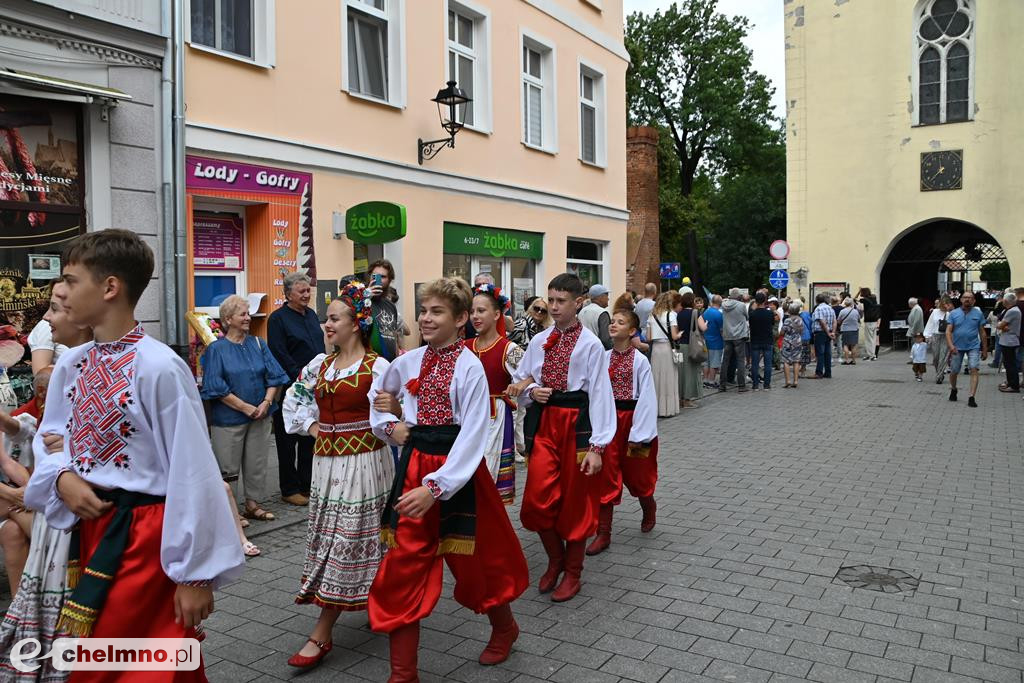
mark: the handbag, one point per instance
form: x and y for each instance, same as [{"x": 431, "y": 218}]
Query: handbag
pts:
[
  {"x": 677, "y": 355},
  {"x": 698, "y": 349}
]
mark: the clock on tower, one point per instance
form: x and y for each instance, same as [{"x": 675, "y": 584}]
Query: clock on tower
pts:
[{"x": 942, "y": 170}]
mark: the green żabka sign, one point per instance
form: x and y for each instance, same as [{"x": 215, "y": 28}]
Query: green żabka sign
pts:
[
  {"x": 482, "y": 241},
  {"x": 375, "y": 222}
]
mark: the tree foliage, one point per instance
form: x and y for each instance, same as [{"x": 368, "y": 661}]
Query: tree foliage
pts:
[{"x": 721, "y": 155}]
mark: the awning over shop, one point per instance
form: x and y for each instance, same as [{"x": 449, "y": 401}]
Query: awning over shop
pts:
[{"x": 40, "y": 82}]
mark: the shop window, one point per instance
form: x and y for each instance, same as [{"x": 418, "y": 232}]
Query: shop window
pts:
[
  {"x": 238, "y": 28},
  {"x": 585, "y": 258},
  {"x": 212, "y": 290},
  {"x": 508, "y": 256},
  {"x": 538, "y": 94},
  {"x": 468, "y": 57},
  {"x": 592, "y": 116},
  {"x": 374, "y": 50},
  {"x": 218, "y": 258}
]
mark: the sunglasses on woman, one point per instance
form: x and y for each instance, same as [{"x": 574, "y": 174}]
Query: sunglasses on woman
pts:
[{"x": 538, "y": 309}]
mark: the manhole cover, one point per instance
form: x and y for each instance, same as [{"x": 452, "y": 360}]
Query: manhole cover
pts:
[{"x": 882, "y": 579}]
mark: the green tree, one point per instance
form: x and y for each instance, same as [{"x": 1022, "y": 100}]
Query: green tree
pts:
[{"x": 691, "y": 77}]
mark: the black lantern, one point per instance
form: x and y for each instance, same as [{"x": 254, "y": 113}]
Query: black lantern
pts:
[{"x": 451, "y": 98}]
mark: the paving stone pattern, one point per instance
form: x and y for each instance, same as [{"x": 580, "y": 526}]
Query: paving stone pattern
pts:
[{"x": 763, "y": 497}]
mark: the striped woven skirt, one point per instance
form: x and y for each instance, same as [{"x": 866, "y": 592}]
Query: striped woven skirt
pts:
[
  {"x": 343, "y": 547},
  {"x": 500, "y": 451}
]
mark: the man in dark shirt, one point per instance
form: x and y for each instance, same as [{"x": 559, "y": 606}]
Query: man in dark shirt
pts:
[
  {"x": 388, "y": 327},
  {"x": 763, "y": 321},
  {"x": 295, "y": 338}
]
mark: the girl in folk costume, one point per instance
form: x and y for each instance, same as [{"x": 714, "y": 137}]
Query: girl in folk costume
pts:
[
  {"x": 500, "y": 357},
  {"x": 444, "y": 503},
  {"x": 632, "y": 457},
  {"x": 352, "y": 469}
]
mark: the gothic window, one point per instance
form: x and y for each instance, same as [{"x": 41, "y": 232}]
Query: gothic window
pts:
[{"x": 945, "y": 48}]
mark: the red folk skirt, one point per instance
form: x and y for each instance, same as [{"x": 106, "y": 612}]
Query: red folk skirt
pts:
[
  {"x": 558, "y": 495},
  {"x": 140, "y": 603},
  {"x": 408, "y": 583},
  {"x": 639, "y": 473}
]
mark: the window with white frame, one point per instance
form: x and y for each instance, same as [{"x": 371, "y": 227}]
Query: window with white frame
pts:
[
  {"x": 592, "y": 116},
  {"x": 374, "y": 50},
  {"x": 468, "y": 61},
  {"x": 241, "y": 28},
  {"x": 945, "y": 48},
  {"x": 538, "y": 94},
  {"x": 585, "y": 258}
]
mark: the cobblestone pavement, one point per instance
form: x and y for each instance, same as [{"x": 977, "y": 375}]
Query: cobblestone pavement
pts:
[{"x": 763, "y": 498}]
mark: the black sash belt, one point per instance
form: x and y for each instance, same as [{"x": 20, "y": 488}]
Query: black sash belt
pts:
[
  {"x": 457, "y": 532},
  {"x": 91, "y": 585},
  {"x": 625, "y": 404},
  {"x": 560, "y": 399}
]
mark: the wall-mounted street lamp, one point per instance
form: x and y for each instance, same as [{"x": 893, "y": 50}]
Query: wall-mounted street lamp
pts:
[{"x": 451, "y": 97}]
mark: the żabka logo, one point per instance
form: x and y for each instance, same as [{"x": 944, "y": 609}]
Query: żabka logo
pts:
[
  {"x": 368, "y": 225},
  {"x": 109, "y": 654}
]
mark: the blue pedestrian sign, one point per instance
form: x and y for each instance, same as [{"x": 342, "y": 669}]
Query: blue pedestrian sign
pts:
[
  {"x": 778, "y": 279},
  {"x": 670, "y": 271}
]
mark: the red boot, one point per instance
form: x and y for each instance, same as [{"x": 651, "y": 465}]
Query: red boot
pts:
[
  {"x": 604, "y": 530},
  {"x": 650, "y": 509},
  {"x": 570, "y": 585},
  {"x": 556, "y": 558},
  {"x": 405, "y": 643},
  {"x": 504, "y": 632}
]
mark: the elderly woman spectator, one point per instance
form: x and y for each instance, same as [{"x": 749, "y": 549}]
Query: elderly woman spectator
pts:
[
  {"x": 688, "y": 319},
  {"x": 241, "y": 378},
  {"x": 295, "y": 338},
  {"x": 533, "y": 320},
  {"x": 935, "y": 335},
  {"x": 848, "y": 327},
  {"x": 1009, "y": 340},
  {"x": 792, "y": 345},
  {"x": 662, "y": 334}
]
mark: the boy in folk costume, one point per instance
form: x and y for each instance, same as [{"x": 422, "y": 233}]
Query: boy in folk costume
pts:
[
  {"x": 632, "y": 457},
  {"x": 352, "y": 469},
  {"x": 500, "y": 358},
  {"x": 444, "y": 503},
  {"x": 570, "y": 420},
  {"x": 155, "y": 533}
]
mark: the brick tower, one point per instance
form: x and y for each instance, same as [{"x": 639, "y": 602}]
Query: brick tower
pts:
[{"x": 642, "y": 231}]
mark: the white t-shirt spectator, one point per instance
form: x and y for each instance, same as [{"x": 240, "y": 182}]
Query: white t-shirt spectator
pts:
[
  {"x": 657, "y": 334},
  {"x": 41, "y": 338}
]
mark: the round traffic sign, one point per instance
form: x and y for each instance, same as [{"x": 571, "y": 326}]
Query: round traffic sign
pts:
[
  {"x": 779, "y": 249},
  {"x": 778, "y": 279}
]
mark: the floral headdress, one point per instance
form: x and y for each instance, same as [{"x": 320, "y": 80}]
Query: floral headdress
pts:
[
  {"x": 356, "y": 296},
  {"x": 504, "y": 305}
]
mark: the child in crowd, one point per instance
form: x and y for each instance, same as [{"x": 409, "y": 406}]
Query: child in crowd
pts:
[
  {"x": 500, "y": 358},
  {"x": 352, "y": 469},
  {"x": 919, "y": 356},
  {"x": 570, "y": 421},
  {"x": 632, "y": 456},
  {"x": 137, "y": 472},
  {"x": 444, "y": 503}
]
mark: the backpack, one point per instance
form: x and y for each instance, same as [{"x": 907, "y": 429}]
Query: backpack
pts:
[{"x": 872, "y": 311}]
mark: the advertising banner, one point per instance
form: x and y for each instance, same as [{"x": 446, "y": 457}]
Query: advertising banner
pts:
[{"x": 217, "y": 243}]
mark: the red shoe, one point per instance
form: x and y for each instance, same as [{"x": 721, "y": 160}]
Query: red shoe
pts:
[
  {"x": 570, "y": 584},
  {"x": 405, "y": 645},
  {"x": 650, "y": 509},
  {"x": 556, "y": 560},
  {"x": 504, "y": 632},
  {"x": 304, "y": 662},
  {"x": 604, "y": 531}
]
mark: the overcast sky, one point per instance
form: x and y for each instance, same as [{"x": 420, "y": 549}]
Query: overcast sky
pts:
[{"x": 766, "y": 38}]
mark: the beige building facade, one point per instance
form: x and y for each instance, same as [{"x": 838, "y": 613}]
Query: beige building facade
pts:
[
  {"x": 904, "y": 131},
  {"x": 297, "y": 119}
]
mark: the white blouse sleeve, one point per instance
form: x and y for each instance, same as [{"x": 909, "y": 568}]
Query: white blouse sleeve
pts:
[
  {"x": 199, "y": 540},
  {"x": 530, "y": 366},
  {"x": 392, "y": 381},
  {"x": 473, "y": 413},
  {"x": 299, "y": 408},
  {"x": 603, "y": 421},
  {"x": 645, "y": 417},
  {"x": 41, "y": 337},
  {"x": 513, "y": 357},
  {"x": 41, "y": 492}
]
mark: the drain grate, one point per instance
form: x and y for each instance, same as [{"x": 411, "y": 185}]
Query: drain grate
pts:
[{"x": 881, "y": 579}]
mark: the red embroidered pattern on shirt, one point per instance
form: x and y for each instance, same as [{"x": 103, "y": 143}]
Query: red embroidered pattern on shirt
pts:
[
  {"x": 620, "y": 369},
  {"x": 437, "y": 371},
  {"x": 555, "y": 370},
  {"x": 99, "y": 427}
]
